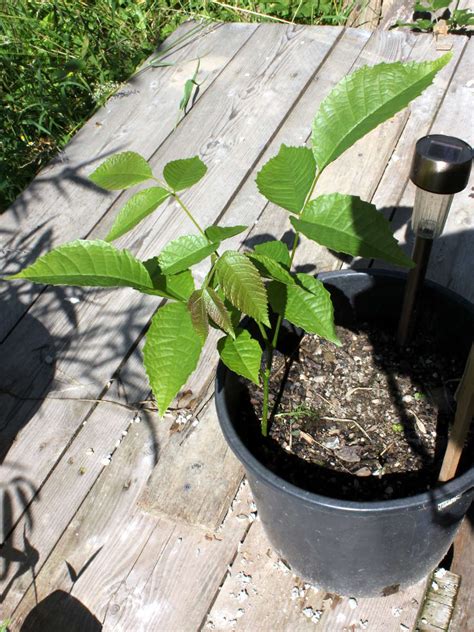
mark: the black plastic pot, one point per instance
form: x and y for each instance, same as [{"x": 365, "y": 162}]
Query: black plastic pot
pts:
[{"x": 347, "y": 547}]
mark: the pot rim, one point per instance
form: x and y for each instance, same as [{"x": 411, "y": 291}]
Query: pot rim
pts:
[{"x": 450, "y": 491}]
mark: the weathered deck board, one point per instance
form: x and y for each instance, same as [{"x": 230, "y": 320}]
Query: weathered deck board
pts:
[
  {"x": 249, "y": 91},
  {"x": 261, "y": 594},
  {"x": 263, "y": 89},
  {"x": 198, "y": 486},
  {"x": 139, "y": 118},
  {"x": 228, "y": 114}
]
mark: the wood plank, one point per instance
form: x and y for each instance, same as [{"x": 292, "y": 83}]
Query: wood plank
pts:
[
  {"x": 77, "y": 471},
  {"x": 192, "y": 483},
  {"x": 106, "y": 522},
  {"x": 173, "y": 591},
  {"x": 320, "y": 42},
  {"x": 463, "y": 565},
  {"x": 395, "y": 11},
  {"x": 366, "y": 15},
  {"x": 134, "y": 585},
  {"x": 261, "y": 593},
  {"x": 61, "y": 204},
  {"x": 437, "y": 609},
  {"x": 233, "y": 113}
]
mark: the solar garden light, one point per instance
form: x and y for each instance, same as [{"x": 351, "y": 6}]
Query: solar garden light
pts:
[{"x": 440, "y": 168}]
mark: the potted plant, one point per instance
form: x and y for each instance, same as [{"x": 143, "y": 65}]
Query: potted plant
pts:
[{"x": 347, "y": 546}]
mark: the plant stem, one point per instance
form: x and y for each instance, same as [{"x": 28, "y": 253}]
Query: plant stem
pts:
[
  {"x": 188, "y": 213},
  {"x": 266, "y": 389},
  {"x": 266, "y": 378}
]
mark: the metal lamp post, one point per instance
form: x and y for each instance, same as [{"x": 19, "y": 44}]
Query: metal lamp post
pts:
[{"x": 440, "y": 168}]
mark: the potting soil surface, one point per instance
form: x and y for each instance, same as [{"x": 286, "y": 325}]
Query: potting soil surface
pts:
[{"x": 363, "y": 421}]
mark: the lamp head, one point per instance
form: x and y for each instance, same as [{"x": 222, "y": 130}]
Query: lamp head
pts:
[{"x": 441, "y": 167}]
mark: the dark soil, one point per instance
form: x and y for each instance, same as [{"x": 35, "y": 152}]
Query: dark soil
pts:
[{"x": 363, "y": 421}]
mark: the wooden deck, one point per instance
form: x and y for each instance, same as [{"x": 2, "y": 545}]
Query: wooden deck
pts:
[{"x": 113, "y": 519}]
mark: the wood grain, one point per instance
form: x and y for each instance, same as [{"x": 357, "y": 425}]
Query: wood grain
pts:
[
  {"x": 260, "y": 593},
  {"x": 61, "y": 204},
  {"x": 192, "y": 483},
  {"x": 113, "y": 321}
]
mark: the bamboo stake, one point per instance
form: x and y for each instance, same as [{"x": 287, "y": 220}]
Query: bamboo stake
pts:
[{"x": 462, "y": 421}]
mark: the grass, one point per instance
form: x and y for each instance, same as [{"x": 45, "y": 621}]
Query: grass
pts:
[{"x": 61, "y": 59}]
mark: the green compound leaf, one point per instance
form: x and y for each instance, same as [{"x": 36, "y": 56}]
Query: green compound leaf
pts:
[
  {"x": 182, "y": 174},
  {"x": 177, "y": 286},
  {"x": 269, "y": 268},
  {"x": 346, "y": 223},
  {"x": 219, "y": 233},
  {"x": 309, "y": 307},
  {"x": 242, "y": 285},
  {"x": 243, "y": 355},
  {"x": 171, "y": 352},
  {"x": 363, "y": 100},
  {"x": 137, "y": 208},
  {"x": 287, "y": 178},
  {"x": 197, "y": 309},
  {"x": 88, "y": 263},
  {"x": 122, "y": 171},
  {"x": 277, "y": 250},
  {"x": 184, "y": 252}
]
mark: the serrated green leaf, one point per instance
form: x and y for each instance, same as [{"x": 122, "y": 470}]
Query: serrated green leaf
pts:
[
  {"x": 137, "y": 208},
  {"x": 363, "y": 100},
  {"x": 177, "y": 286},
  {"x": 198, "y": 311},
  {"x": 235, "y": 314},
  {"x": 184, "y": 252},
  {"x": 277, "y": 250},
  {"x": 242, "y": 285},
  {"x": 270, "y": 268},
  {"x": 462, "y": 17},
  {"x": 217, "y": 311},
  {"x": 242, "y": 354},
  {"x": 122, "y": 171},
  {"x": 287, "y": 178},
  {"x": 182, "y": 174},
  {"x": 311, "y": 310},
  {"x": 346, "y": 223},
  {"x": 440, "y": 4},
  {"x": 220, "y": 233},
  {"x": 88, "y": 263},
  {"x": 171, "y": 352}
]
